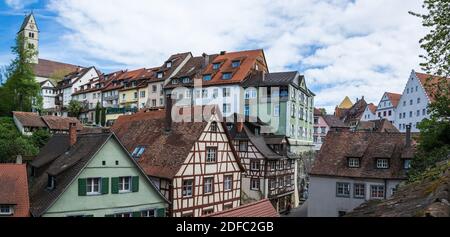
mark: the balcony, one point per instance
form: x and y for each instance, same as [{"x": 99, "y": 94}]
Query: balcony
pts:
[
  {"x": 121, "y": 110},
  {"x": 280, "y": 191},
  {"x": 111, "y": 97}
]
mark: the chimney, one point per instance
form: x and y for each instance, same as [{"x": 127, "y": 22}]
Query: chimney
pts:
[
  {"x": 72, "y": 134},
  {"x": 168, "y": 112},
  {"x": 19, "y": 159},
  {"x": 206, "y": 58},
  {"x": 239, "y": 123},
  {"x": 223, "y": 52},
  {"x": 408, "y": 135}
]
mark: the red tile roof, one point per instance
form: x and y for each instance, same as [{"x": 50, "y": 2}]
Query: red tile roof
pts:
[
  {"x": 14, "y": 188},
  {"x": 46, "y": 68},
  {"x": 248, "y": 60},
  {"x": 372, "y": 108},
  {"x": 29, "y": 119},
  {"x": 394, "y": 98},
  {"x": 431, "y": 84},
  {"x": 263, "y": 208},
  {"x": 61, "y": 123}
]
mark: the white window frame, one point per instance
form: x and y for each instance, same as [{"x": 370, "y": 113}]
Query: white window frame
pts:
[
  {"x": 211, "y": 157},
  {"x": 228, "y": 182},
  {"x": 382, "y": 163},
  {"x": 354, "y": 162},
  {"x": 357, "y": 190},
  {"x": 255, "y": 184},
  {"x": 208, "y": 185},
  {"x": 377, "y": 189},
  {"x": 255, "y": 165},
  {"x": 10, "y": 210},
  {"x": 90, "y": 186},
  {"x": 123, "y": 183},
  {"x": 345, "y": 188},
  {"x": 187, "y": 190},
  {"x": 148, "y": 213}
]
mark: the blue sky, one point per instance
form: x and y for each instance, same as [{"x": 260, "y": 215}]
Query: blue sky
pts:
[{"x": 344, "y": 47}]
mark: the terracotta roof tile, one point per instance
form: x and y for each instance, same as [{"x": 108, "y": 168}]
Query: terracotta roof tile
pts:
[
  {"x": 430, "y": 84},
  {"x": 14, "y": 188},
  {"x": 46, "y": 68},
  {"x": 29, "y": 119},
  {"x": 61, "y": 123},
  {"x": 263, "y": 208},
  {"x": 394, "y": 98}
]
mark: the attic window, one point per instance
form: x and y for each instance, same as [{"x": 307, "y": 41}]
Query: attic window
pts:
[
  {"x": 186, "y": 80},
  {"x": 169, "y": 64},
  {"x": 216, "y": 66},
  {"x": 174, "y": 81},
  {"x": 382, "y": 163},
  {"x": 51, "y": 182},
  {"x": 160, "y": 75},
  {"x": 226, "y": 76},
  {"x": 207, "y": 77},
  {"x": 138, "y": 151},
  {"x": 6, "y": 210},
  {"x": 213, "y": 127},
  {"x": 353, "y": 162},
  {"x": 235, "y": 63}
]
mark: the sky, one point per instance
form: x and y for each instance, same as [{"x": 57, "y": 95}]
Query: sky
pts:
[{"x": 344, "y": 48}]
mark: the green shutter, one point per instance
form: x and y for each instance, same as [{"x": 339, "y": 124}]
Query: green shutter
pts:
[
  {"x": 137, "y": 214},
  {"x": 135, "y": 184},
  {"x": 114, "y": 185},
  {"x": 81, "y": 187},
  {"x": 161, "y": 212},
  {"x": 105, "y": 185}
]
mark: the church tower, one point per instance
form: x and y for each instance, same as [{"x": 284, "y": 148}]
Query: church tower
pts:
[{"x": 30, "y": 33}]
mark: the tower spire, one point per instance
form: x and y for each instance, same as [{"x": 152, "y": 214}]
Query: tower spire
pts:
[{"x": 30, "y": 33}]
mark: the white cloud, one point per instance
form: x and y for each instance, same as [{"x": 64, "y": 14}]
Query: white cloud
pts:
[
  {"x": 354, "y": 48},
  {"x": 19, "y": 4}
]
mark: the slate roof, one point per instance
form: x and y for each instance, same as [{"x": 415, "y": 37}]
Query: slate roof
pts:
[
  {"x": 334, "y": 122},
  {"x": 430, "y": 84},
  {"x": 338, "y": 146},
  {"x": 427, "y": 197},
  {"x": 29, "y": 119},
  {"x": 57, "y": 123},
  {"x": 14, "y": 188},
  {"x": 271, "y": 79},
  {"x": 262, "y": 208},
  {"x": 380, "y": 125},
  {"x": 66, "y": 163},
  {"x": 46, "y": 68},
  {"x": 192, "y": 69},
  {"x": 248, "y": 60}
]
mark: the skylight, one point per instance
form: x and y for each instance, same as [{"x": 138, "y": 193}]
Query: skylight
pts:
[{"x": 138, "y": 151}]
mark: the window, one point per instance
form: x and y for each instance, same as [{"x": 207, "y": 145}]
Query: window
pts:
[
  {"x": 208, "y": 211},
  {"x": 204, "y": 93},
  {"x": 404, "y": 103},
  {"x": 207, "y": 77},
  {"x": 148, "y": 213},
  {"x": 254, "y": 165},
  {"x": 216, "y": 66},
  {"x": 226, "y": 76},
  {"x": 228, "y": 183},
  {"x": 384, "y": 113},
  {"x": 382, "y": 163},
  {"x": 153, "y": 103},
  {"x": 342, "y": 213},
  {"x": 142, "y": 94},
  {"x": 226, "y": 108},
  {"x": 124, "y": 184},
  {"x": 418, "y": 100},
  {"x": 247, "y": 110},
  {"x": 235, "y": 63},
  {"x": 272, "y": 165},
  {"x": 254, "y": 184},
  {"x": 186, "y": 80},
  {"x": 280, "y": 182},
  {"x": 6, "y": 210},
  {"x": 160, "y": 75},
  {"x": 377, "y": 191},
  {"x": 213, "y": 127},
  {"x": 359, "y": 191},
  {"x": 343, "y": 189},
  {"x": 135, "y": 95},
  {"x": 323, "y": 130},
  {"x": 411, "y": 102},
  {"x": 407, "y": 164},
  {"x": 208, "y": 185},
  {"x": 417, "y": 113},
  {"x": 51, "y": 182},
  {"x": 407, "y": 90},
  {"x": 161, "y": 102},
  {"x": 389, "y": 112},
  {"x": 211, "y": 153},
  {"x": 410, "y": 114},
  {"x": 379, "y": 114},
  {"x": 272, "y": 184},
  {"x": 250, "y": 94},
  {"x": 169, "y": 64},
  {"x": 315, "y": 139},
  {"x": 93, "y": 186},
  {"x": 276, "y": 110},
  {"x": 175, "y": 81},
  {"x": 187, "y": 188},
  {"x": 226, "y": 92},
  {"x": 353, "y": 163},
  {"x": 138, "y": 151},
  {"x": 417, "y": 88},
  {"x": 243, "y": 146},
  {"x": 424, "y": 112}
]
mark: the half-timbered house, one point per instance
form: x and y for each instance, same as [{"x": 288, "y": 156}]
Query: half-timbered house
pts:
[
  {"x": 270, "y": 169},
  {"x": 193, "y": 163}
]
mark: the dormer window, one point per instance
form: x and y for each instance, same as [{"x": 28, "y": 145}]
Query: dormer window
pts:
[
  {"x": 160, "y": 75},
  {"x": 186, "y": 80},
  {"x": 353, "y": 162},
  {"x": 213, "y": 127},
  {"x": 407, "y": 164},
  {"x": 6, "y": 210},
  {"x": 169, "y": 64},
  {"x": 226, "y": 76},
  {"x": 382, "y": 163},
  {"x": 207, "y": 77},
  {"x": 216, "y": 66},
  {"x": 235, "y": 63},
  {"x": 51, "y": 182},
  {"x": 174, "y": 81}
]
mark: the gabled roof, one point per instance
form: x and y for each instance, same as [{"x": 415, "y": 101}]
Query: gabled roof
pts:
[
  {"x": 394, "y": 98},
  {"x": 431, "y": 84},
  {"x": 29, "y": 119},
  {"x": 372, "y": 108},
  {"x": 25, "y": 22},
  {"x": 14, "y": 188},
  {"x": 380, "y": 125},
  {"x": 368, "y": 146},
  {"x": 262, "y": 208},
  {"x": 192, "y": 69},
  {"x": 46, "y": 68},
  {"x": 247, "y": 59},
  {"x": 356, "y": 111},
  {"x": 271, "y": 79},
  {"x": 346, "y": 103},
  {"x": 175, "y": 60},
  {"x": 334, "y": 122},
  {"x": 61, "y": 123}
]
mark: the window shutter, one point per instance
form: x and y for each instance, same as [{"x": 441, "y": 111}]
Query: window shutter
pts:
[
  {"x": 161, "y": 212},
  {"x": 105, "y": 185},
  {"x": 135, "y": 184},
  {"x": 137, "y": 214},
  {"x": 114, "y": 185},
  {"x": 81, "y": 187}
]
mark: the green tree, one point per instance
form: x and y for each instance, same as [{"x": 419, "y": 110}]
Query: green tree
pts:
[
  {"x": 103, "y": 117},
  {"x": 20, "y": 91},
  {"x": 40, "y": 137},
  {"x": 12, "y": 143},
  {"x": 97, "y": 113},
  {"x": 75, "y": 108}
]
